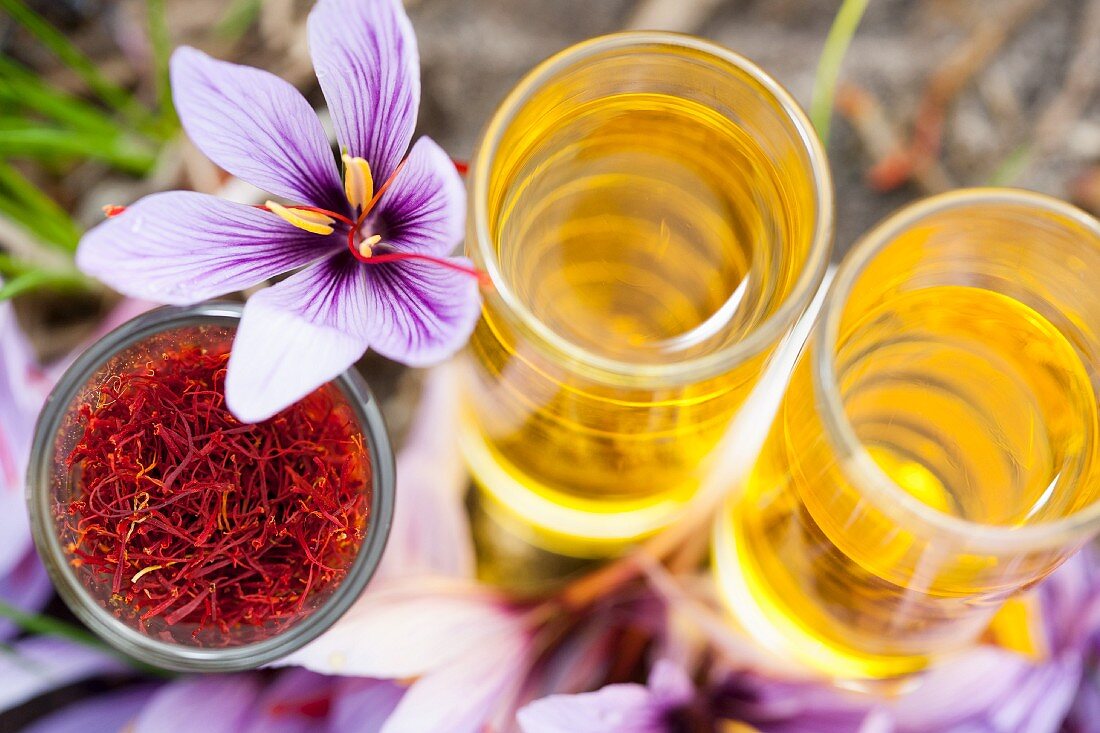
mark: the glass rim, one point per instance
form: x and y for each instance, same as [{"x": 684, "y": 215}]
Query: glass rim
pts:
[
  {"x": 129, "y": 640},
  {"x": 696, "y": 368},
  {"x": 861, "y": 469}
]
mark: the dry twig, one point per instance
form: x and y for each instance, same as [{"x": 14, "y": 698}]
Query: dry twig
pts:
[{"x": 946, "y": 83}]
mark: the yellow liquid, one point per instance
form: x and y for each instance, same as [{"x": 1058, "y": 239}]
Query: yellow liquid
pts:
[
  {"x": 971, "y": 402},
  {"x": 646, "y": 229}
]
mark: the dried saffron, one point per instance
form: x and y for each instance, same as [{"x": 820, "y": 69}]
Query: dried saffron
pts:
[{"x": 195, "y": 528}]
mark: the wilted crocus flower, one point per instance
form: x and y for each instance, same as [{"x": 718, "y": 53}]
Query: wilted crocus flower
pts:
[{"x": 373, "y": 248}]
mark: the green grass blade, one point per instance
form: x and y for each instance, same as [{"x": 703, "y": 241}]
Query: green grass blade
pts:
[
  {"x": 237, "y": 19},
  {"x": 828, "y": 68},
  {"x": 25, "y": 203},
  {"x": 74, "y": 58},
  {"x": 20, "y": 88},
  {"x": 1012, "y": 166},
  {"x": 161, "y": 41},
  {"x": 37, "y": 279},
  {"x": 26, "y": 139}
]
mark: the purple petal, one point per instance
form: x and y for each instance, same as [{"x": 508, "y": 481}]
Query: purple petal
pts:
[
  {"x": 424, "y": 210},
  {"x": 108, "y": 713},
  {"x": 1070, "y": 602},
  {"x": 183, "y": 247},
  {"x": 614, "y": 709},
  {"x": 421, "y": 313},
  {"x": 296, "y": 336},
  {"x": 961, "y": 689},
  {"x": 26, "y": 586},
  {"x": 211, "y": 704},
  {"x": 430, "y": 534},
  {"x": 782, "y": 706},
  {"x": 39, "y": 664},
  {"x": 256, "y": 126},
  {"x": 406, "y": 629},
  {"x": 364, "y": 52},
  {"x": 670, "y": 684},
  {"x": 363, "y": 704},
  {"x": 22, "y": 392},
  {"x": 293, "y": 703},
  {"x": 1085, "y": 711},
  {"x": 463, "y": 696}
]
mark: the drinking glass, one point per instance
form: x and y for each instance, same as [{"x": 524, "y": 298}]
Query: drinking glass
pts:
[
  {"x": 654, "y": 212},
  {"x": 936, "y": 450}
]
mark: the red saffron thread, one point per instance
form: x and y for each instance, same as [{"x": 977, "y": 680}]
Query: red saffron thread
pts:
[{"x": 196, "y": 528}]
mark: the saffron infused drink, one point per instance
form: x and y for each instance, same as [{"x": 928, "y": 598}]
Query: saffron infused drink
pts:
[
  {"x": 936, "y": 450},
  {"x": 654, "y": 213}
]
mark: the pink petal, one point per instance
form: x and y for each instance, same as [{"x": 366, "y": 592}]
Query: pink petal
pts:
[
  {"x": 462, "y": 696},
  {"x": 256, "y": 126},
  {"x": 296, "y": 336},
  {"x": 424, "y": 210},
  {"x": 407, "y": 629},
  {"x": 364, "y": 52},
  {"x": 430, "y": 534},
  {"x": 183, "y": 247}
]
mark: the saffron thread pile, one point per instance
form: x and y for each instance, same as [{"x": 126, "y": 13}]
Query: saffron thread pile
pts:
[{"x": 196, "y": 528}]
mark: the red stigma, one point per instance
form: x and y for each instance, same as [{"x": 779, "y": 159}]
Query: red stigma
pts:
[{"x": 111, "y": 210}]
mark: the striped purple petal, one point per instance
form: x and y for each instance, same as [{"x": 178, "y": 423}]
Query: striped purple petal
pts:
[
  {"x": 297, "y": 335},
  {"x": 424, "y": 209},
  {"x": 183, "y": 247},
  {"x": 420, "y": 313},
  {"x": 365, "y": 56},
  {"x": 256, "y": 126}
]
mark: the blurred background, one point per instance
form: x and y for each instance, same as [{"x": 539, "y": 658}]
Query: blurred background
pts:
[{"x": 933, "y": 94}]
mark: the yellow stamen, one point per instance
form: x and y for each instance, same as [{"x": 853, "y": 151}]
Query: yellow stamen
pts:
[
  {"x": 311, "y": 221},
  {"x": 138, "y": 574},
  {"x": 365, "y": 247},
  {"x": 358, "y": 181}
]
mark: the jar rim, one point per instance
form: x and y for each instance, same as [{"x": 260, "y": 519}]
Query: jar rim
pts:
[
  {"x": 697, "y": 368},
  {"x": 856, "y": 462},
  {"x": 182, "y": 657}
]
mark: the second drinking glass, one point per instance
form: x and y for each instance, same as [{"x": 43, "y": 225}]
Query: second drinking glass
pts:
[
  {"x": 936, "y": 450},
  {"x": 655, "y": 213}
]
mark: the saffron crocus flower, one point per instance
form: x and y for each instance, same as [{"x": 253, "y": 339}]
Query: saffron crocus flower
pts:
[
  {"x": 656, "y": 707},
  {"x": 371, "y": 250},
  {"x": 466, "y": 648},
  {"x": 23, "y": 388}
]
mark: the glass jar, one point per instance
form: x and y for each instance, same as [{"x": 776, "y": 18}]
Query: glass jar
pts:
[
  {"x": 938, "y": 448},
  {"x": 655, "y": 213},
  {"x": 62, "y": 484}
]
